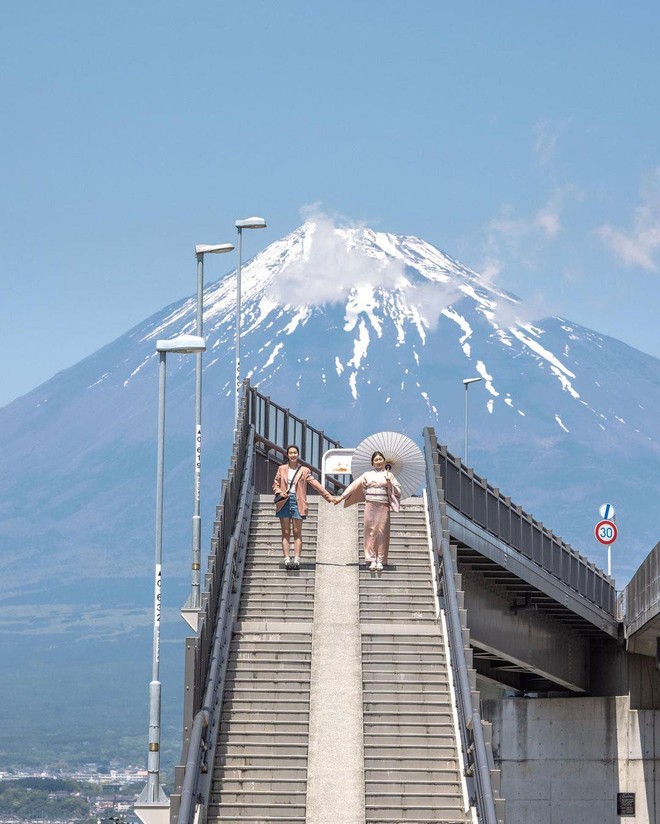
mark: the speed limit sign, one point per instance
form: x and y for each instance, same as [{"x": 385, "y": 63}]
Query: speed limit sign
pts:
[{"x": 606, "y": 532}]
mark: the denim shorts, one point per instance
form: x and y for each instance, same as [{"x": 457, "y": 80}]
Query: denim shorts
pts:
[{"x": 290, "y": 509}]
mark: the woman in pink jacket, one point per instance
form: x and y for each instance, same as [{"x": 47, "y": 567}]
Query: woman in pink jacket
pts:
[
  {"x": 291, "y": 482},
  {"x": 381, "y": 492}
]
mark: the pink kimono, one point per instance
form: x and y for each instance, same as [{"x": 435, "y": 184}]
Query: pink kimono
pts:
[{"x": 380, "y": 496}]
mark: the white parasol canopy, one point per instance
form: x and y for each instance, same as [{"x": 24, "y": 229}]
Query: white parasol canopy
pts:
[{"x": 401, "y": 453}]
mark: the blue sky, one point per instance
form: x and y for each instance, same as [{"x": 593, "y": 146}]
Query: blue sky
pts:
[{"x": 521, "y": 138}]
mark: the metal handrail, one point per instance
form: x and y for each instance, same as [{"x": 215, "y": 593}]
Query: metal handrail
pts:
[
  {"x": 280, "y": 426},
  {"x": 469, "y": 714},
  {"x": 207, "y": 720},
  {"x": 486, "y": 506}
]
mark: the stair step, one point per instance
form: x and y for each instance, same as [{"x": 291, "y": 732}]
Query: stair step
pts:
[
  {"x": 254, "y": 761},
  {"x": 256, "y": 812},
  {"x": 270, "y": 774},
  {"x": 427, "y": 814}
]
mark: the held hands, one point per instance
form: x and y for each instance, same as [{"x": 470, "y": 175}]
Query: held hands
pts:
[{"x": 336, "y": 500}]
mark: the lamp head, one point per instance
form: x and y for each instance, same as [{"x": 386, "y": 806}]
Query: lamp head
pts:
[
  {"x": 466, "y": 381},
  {"x": 251, "y": 223},
  {"x": 182, "y": 345},
  {"x": 218, "y": 249}
]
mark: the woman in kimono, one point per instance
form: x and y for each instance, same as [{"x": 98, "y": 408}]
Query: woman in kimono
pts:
[
  {"x": 291, "y": 482},
  {"x": 381, "y": 493}
]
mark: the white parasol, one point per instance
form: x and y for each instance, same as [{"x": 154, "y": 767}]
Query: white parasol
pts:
[{"x": 401, "y": 453}]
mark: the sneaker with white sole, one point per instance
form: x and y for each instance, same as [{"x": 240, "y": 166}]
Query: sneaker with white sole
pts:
[
  {"x": 372, "y": 566},
  {"x": 379, "y": 566},
  {"x": 287, "y": 563},
  {"x": 295, "y": 564}
]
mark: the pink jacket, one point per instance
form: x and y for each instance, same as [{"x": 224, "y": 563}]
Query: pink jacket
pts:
[
  {"x": 355, "y": 493},
  {"x": 304, "y": 477}
]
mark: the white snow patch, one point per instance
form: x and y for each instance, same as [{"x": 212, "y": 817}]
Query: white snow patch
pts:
[
  {"x": 489, "y": 405},
  {"x": 144, "y": 363},
  {"x": 557, "y": 367},
  {"x": 619, "y": 419},
  {"x": 429, "y": 404},
  {"x": 353, "y": 384},
  {"x": 559, "y": 421},
  {"x": 102, "y": 378},
  {"x": 338, "y": 366},
  {"x": 452, "y": 314},
  {"x": 273, "y": 355},
  {"x": 360, "y": 345},
  {"x": 508, "y": 401},
  {"x": 300, "y": 317},
  {"x": 565, "y": 383},
  {"x": 481, "y": 369}
]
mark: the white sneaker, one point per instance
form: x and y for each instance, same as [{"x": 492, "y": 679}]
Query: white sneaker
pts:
[
  {"x": 372, "y": 566},
  {"x": 295, "y": 564},
  {"x": 287, "y": 563},
  {"x": 379, "y": 566}
]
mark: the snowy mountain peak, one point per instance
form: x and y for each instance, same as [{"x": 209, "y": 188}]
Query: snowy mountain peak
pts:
[{"x": 352, "y": 300}]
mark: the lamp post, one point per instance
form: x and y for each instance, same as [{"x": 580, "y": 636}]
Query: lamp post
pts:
[
  {"x": 152, "y": 806},
  {"x": 190, "y": 611},
  {"x": 247, "y": 223},
  {"x": 466, "y": 383}
]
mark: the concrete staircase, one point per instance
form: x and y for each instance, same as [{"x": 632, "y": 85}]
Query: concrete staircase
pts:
[
  {"x": 260, "y": 772},
  {"x": 412, "y": 765}
]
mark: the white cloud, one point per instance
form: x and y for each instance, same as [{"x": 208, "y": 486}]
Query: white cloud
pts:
[
  {"x": 639, "y": 245},
  {"x": 333, "y": 265},
  {"x": 545, "y": 144},
  {"x": 346, "y": 263}
]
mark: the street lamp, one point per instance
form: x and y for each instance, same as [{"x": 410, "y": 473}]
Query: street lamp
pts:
[
  {"x": 152, "y": 806},
  {"x": 190, "y": 611},
  {"x": 248, "y": 223},
  {"x": 466, "y": 383}
]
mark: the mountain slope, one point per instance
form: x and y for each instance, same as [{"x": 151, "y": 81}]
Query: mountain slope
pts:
[
  {"x": 355, "y": 330},
  {"x": 377, "y": 333}
]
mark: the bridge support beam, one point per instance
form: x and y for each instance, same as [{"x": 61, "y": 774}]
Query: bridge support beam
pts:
[{"x": 529, "y": 640}]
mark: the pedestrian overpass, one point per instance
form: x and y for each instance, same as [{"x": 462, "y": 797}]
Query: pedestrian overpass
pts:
[{"x": 333, "y": 694}]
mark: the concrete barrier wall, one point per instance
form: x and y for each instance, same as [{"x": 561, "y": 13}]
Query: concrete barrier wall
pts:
[{"x": 564, "y": 760}]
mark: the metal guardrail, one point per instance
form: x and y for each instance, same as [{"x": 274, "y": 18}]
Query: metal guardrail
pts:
[
  {"x": 200, "y": 649},
  {"x": 276, "y": 428},
  {"x": 469, "y": 715},
  {"x": 198, "y": 773},
  {"x": 485, "y": 505},
  {"x": 280, "y": 427},
  {"x": 641, "y": 598}
]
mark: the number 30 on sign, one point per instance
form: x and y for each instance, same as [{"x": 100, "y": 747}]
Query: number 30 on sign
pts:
[{"x": 606, "y": 532}]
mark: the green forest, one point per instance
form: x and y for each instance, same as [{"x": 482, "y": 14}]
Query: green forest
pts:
[{"x": 31, "y": 798}]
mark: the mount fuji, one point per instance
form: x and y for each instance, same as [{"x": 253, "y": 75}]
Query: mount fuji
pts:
[{"x": 356, "y": 331}]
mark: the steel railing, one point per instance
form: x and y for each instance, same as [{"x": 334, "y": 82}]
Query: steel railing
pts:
[
  {"x": 277, "y": 425},
  {"x": 202, "y": 692},
  {"x": 469, "y": 715},
  {"x": 486, "y": 506},
  {"x": 201, "y": 748}
]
